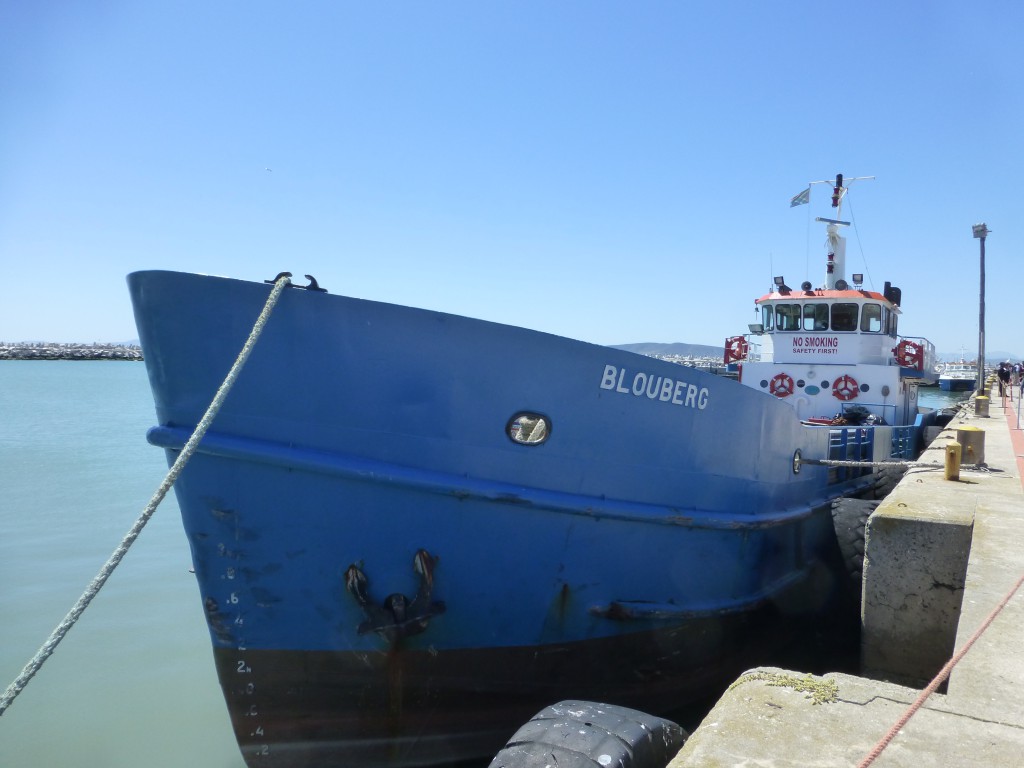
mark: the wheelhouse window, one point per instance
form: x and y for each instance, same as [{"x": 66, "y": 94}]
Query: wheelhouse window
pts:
[
  {"x": 871, "y": 318},
  {"x": 768, "y": 317},
  {"x": 844, "y": 317},
  {"x": 788, "y": 317},
  {"x": 890, "y": 322},
  {"x": 815, "y": 317}
]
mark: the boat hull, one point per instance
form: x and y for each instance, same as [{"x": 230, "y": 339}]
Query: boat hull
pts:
[
  {"x": 324, "y": 708},
  {"x": 956, "y": 385},
  {"x": 391, "y": 579}
]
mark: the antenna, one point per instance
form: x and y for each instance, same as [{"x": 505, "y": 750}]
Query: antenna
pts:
[
  {"x": 836, "y": 264},
  {"x": 839, "y": 185}
]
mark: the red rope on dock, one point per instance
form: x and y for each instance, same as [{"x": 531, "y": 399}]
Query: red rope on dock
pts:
[
  {"x": 1017, "y": 439},
  {"x": 939, "y": 678}
]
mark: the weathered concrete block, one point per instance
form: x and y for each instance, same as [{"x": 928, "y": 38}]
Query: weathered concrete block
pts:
[
  {"x": 930, "y": 433},
  {"x": 915, "y": 567},
  {"x": 773, "y": 718}
]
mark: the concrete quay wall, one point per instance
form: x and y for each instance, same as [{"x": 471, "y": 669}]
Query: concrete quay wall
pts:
[
  {"x": 941, "y": 557},
  {"x": 916, "y": 551}
]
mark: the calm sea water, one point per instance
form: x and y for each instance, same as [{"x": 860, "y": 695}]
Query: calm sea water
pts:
[
  {"x": 933, "y": 397},
  {"x": 133, "y": 683}
]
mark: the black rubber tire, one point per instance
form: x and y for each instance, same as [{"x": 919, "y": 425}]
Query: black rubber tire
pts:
[
  {"x": 586, "y": 734},
  {"x": 850, "y": 519},
  {"x": 887, "y": 478}
]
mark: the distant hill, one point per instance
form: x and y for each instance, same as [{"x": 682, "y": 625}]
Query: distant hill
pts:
[
  {"x": 992, "y": 357},
  {"x": 675, "y": 348}
]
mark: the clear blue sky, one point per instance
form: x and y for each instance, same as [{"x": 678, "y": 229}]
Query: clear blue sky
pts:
[{"x": 609, "y": 171}]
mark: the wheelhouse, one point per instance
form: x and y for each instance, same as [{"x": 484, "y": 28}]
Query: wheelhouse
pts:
[
  {"x": 843, "y": 326},
  {"x": 829, "y": 313}
]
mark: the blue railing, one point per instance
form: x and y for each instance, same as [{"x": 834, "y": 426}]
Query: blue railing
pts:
[
  {"x": 904, "y": 442},
  {"x": 905, "y": 438},
  {"x": 850, "y": 444}
]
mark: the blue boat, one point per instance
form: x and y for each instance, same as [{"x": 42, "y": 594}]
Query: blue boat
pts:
[{"x": 413, "y": 530}]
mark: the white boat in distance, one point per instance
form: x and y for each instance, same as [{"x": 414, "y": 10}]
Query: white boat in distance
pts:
[{"x": 960, "y": 376}]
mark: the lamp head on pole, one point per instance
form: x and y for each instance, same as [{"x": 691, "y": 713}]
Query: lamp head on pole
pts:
[{"x": 980, "y": 230}]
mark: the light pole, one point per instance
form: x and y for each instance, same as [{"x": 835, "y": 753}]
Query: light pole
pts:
[{"x": 980, "y": 232}]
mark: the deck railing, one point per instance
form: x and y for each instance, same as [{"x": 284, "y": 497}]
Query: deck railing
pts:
[
  {"x": 904, "y": 442},
  {"x": 850, "y": 444}
]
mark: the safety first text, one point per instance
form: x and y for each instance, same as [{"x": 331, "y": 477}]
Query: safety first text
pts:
[{"x": 818, "y": 345}]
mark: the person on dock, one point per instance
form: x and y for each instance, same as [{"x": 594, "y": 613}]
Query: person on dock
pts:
[{"x": 1004, "y": 377}]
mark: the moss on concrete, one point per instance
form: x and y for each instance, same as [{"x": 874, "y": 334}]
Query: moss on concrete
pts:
[{"x": 818, "y": 691}]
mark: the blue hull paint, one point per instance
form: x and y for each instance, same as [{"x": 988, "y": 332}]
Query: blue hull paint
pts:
[
  {"x": 957, "y": 385},
  {"x": 361, "y": 433}
]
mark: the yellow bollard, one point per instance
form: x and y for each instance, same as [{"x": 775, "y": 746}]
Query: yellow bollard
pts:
[
  {"x": 952, "y": 461},
  {"x": 981, "y": 405},
  {"x": 972, "y": 441}
]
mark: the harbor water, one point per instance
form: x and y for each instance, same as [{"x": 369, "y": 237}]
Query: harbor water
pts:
[
  {"x": 133, "y": 683},
  {"x": 933, "y": 397}
]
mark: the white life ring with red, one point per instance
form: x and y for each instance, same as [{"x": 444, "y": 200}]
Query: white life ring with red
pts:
[
  {"x": 736, "y": 348},
  {"x": 781, "y": 385},
  {"x": 910, "y": 354},
  {"x": 845, "y": 388}
]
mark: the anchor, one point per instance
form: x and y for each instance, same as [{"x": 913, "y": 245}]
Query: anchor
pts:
[{"x": 397, "y": 617}]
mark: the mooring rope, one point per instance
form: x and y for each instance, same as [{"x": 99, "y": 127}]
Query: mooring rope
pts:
[
  {"x": 902, "y": 464},
  {"x": 852, "y": 463},
  {"x": 189, "y": 448},
  {"x": 939, "y": 678}
]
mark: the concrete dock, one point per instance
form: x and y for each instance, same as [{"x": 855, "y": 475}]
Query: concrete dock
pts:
[{"x": 943, "y": 559}]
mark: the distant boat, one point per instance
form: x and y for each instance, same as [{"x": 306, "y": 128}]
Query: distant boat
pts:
[
  {"x": 413, "y": 530},
  {"x": 959, "y": 376}
]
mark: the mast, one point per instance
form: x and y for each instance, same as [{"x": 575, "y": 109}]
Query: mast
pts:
[{"x": 835, "y": 265}]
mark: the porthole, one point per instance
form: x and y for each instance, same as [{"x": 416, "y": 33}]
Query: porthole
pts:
[{"x": 528, "y": 428}]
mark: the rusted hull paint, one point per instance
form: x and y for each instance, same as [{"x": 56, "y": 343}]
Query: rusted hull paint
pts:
[{"x": 292, "y": 709}]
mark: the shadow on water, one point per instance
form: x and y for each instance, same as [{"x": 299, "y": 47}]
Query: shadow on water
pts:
[
  {"x": 819, "y": 644},
  {"x": 817, "y": 635}
]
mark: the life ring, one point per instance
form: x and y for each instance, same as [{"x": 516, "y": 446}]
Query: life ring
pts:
[
  {"x": 781, "y": 385},
  {"x": 736, "y": 348},
  {"x": 845, "y": 388},
  {"x": 909, "y": 354}
]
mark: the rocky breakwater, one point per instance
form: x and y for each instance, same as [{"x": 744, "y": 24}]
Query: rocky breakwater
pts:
[{"x": 29, "y": 350}]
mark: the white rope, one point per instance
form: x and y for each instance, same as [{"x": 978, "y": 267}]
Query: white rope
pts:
[
  {"x": 904, "y": 464},
  {"x": 189, "y": 448},
  {"x": 852, "y": 463}
]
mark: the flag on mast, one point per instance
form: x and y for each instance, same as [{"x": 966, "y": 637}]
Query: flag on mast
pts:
[{"x": 803, "y": 197}]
